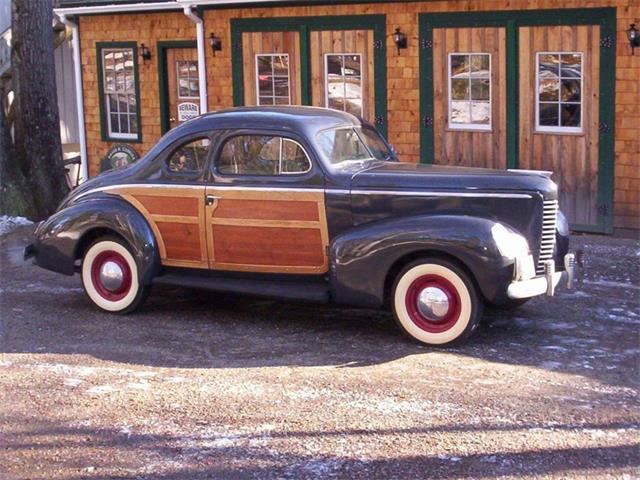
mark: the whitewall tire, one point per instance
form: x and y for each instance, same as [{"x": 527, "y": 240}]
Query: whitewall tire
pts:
[
  {"x": 110, "y": 276},
  {"x": 435, "y": 302}
]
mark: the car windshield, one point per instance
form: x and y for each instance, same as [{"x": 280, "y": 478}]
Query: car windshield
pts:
[{"x": 357, "y": 145}]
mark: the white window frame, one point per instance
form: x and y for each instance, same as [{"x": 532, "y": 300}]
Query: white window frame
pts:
[
  {"x": 106, "y": 94},
  {"x": 469, "y": 126},
  {"x": 257, "y": 69},
  {"x": 559, "y": 129},
  {"x": 326, "y": 80},
  {"x": 188, "y": 79}
]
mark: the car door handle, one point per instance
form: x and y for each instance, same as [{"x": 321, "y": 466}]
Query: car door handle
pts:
[{"x": 210, "y": 200}]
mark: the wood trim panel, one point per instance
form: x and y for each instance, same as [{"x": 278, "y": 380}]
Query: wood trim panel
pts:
[
  {"x": 287, "y": 239},
  {"x": 176, "y": 215}
]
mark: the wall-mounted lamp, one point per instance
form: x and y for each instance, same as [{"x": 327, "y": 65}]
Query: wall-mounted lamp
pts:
[
  {"x": 400, "y": 39},
  {"x": 215, "y": 43},
  {"x": 145, "y": 53},
  {"x": 634, "y": 37}
]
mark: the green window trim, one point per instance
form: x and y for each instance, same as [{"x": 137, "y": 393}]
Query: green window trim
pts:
[
  {"x": 163, "y": 80},
  {"x": 104, "y": 129},
  {"x": 306, "y": 25},
  {"x": 511, "y": 21}
]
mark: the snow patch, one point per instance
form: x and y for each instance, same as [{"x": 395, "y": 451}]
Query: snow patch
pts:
[{"x": 8, "y": 223}]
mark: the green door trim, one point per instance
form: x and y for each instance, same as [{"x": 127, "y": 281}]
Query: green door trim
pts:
[
  {"x": 511, "y": 21},
  {"x": 163, "y": 85},
  {"x": 306, "y": 25}
]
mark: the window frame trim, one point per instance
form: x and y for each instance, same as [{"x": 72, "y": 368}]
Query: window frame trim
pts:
[
  {"x": 273, "y": 95},
  {"x": 476, "y": 127},
  {"x": 105, "y": 133},
  {"x": 223, "y": 142},
  {"x": 559, "y": 129},
  {"x": 326, "y": 81}
]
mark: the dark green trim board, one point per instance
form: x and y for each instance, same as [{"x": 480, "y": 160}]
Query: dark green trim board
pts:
[
  {"x": 104, "y": 131},
  {"x": 163, "y": 79},
  {"x": 512, "y": 21},
  {"x": 306, "y": 25}
]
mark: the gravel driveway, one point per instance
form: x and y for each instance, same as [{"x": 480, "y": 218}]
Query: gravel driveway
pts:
[{"x": 205, "y": 385}]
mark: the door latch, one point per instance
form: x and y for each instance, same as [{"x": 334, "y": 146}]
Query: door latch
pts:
[{"x": 210, "y": 200}]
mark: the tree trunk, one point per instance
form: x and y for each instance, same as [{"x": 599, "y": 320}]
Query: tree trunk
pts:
[
  {"x": 15, "y": 197},
  {"x": 37, "y": 148}
]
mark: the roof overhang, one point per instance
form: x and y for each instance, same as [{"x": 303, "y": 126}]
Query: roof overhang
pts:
[{"x": 154, "y": 6}]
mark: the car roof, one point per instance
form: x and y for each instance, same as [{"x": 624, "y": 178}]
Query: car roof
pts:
[{"x": 307, "y": 120}]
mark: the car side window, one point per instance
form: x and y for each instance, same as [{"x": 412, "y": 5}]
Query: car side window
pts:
[
  {"x": 189, "y": 157},
  {"x": 262, "y": 155}
]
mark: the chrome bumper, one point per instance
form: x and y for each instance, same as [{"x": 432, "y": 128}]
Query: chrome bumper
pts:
[{"x": 546, "y": 284}]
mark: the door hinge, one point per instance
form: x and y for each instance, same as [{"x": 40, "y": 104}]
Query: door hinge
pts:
[
  {"x": 607, "y": 42},
  {"x": 237, "y": 46},
  {"x": 426, "y": 44},
  {"x": 604, "y": 127},
  {"x": 603, "y": 210},
  {"x": 427, "y": 121},
  {"x": 377, "y": 44},
  {"x": 379, "y": 120}
]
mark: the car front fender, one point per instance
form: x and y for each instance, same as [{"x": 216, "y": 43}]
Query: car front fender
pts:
[
  {"x": 59, "y": 238},
  {"x": 362, "y": 258}
]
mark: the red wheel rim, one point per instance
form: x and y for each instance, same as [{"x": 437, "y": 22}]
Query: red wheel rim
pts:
[
  {"x": 96, "y": 267},
  {"x": 411, "y": 302}
]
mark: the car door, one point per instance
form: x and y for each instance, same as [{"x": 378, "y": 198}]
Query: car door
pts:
[{"x": 265, "y": 209}]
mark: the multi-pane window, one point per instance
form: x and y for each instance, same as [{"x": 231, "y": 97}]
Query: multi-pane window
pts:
[
  {"x": 343, "y": 82},
  {"x": 188, "y": 83},
  {"x": 470, "y": 91},
  {"x": 272, "y": 79},
  {"x": 119, "y": 85},
  {"x": 559, "y": 91},
  {"x": 262, "y": 155}
]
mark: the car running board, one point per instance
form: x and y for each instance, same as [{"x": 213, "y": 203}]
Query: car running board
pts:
[{"x": 286, "y": 289}]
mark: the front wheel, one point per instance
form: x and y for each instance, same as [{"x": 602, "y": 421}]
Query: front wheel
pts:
[
  {"x": 435, "y": 302},
  {"x": 110, "y": 276}
]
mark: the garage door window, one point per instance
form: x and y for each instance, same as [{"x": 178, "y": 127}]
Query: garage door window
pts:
[
  {"x": 343, "y": 82},
  {"x": 559, "y": 82},
  {"x": 272, "y": 79},
  {"x": 470, "y": 91}
]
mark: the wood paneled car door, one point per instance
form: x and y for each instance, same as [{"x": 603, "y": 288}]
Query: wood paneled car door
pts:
[{"x": 262, "y": 215}]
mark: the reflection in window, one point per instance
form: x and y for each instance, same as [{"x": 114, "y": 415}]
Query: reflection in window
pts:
[
  {"x": 119, "y": 92},
  {"x": 470, "y": 91},
  {"x": 559, "y": 91},
  {"x": 342, "y": 145},
  {"x": 343, "y": 82},
  {"x": 188, "y": 84},
  {"x": 189, "y": 158},
  {"x": 262, "y": 155},
  {"x": 272, "y": 79}
]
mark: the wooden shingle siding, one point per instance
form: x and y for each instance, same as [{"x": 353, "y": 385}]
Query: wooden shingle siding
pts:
[{"x": 403, "y": 75}]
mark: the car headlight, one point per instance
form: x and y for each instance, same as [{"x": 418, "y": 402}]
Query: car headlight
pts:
[{"x": 510, "y": 244}]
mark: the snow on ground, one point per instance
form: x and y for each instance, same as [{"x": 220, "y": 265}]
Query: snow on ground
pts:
[{"x": 8, "y": 223}]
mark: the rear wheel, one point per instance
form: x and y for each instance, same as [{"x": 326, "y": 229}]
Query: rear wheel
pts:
[
  {"x": 110, "y": 276},
  {"x": 435, "y": 302}
]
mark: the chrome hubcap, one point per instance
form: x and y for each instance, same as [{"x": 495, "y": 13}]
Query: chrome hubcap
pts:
[
  {"x": 111, "y": 276},
  {"x": 433, "y": 304}
]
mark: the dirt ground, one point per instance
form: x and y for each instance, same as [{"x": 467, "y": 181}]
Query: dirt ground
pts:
[{"x": 204, "y": 385}]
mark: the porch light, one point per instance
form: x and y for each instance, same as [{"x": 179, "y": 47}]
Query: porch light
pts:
[
  {"x": 400, "y": 39},
  {"x": 145, "y": 53},
  {"x": 634, "y": 37},
  {"x": 215, "y": 43}
]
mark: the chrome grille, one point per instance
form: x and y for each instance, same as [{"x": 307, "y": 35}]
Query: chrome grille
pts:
[{"x": 548, "y": 240}]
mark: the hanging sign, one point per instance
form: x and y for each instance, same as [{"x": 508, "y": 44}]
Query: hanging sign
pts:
[
  {"x": 187, "y": 111},
  {"x": 118, "y": 156}
]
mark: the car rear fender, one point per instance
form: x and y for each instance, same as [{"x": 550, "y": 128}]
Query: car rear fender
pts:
[
  {"x": 61, "y": 238},
  {"x": 362, "y": 258}
]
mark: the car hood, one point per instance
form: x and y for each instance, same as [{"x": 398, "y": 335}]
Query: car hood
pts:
[{"x": 410, "y": 176}]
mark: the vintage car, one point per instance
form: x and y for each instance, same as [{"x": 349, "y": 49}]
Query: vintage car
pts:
[{"x": 310, "y": 203}]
